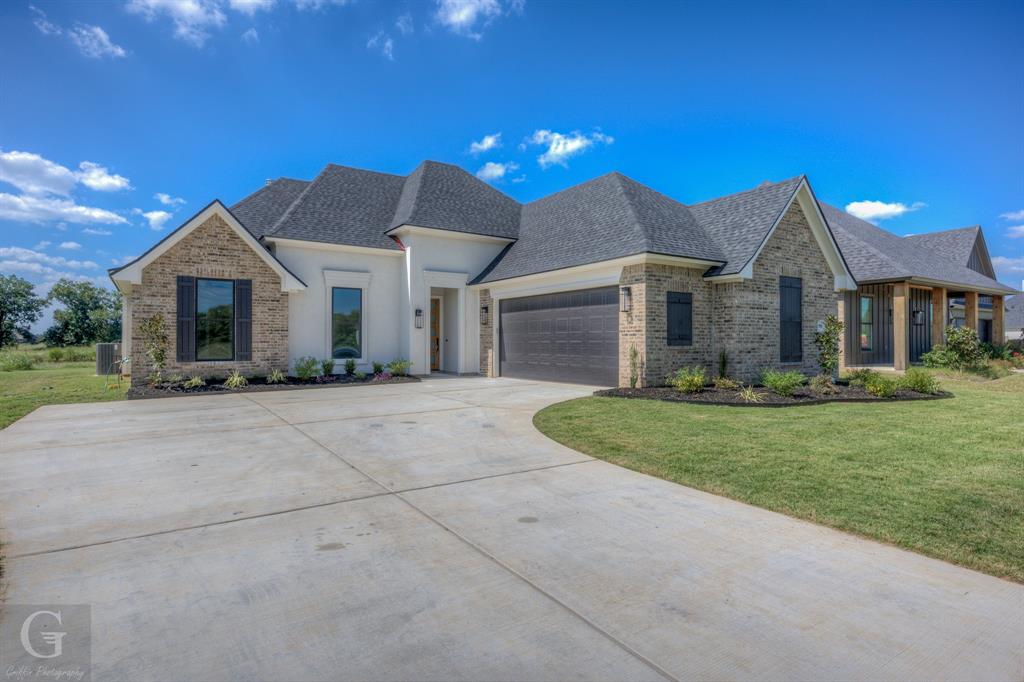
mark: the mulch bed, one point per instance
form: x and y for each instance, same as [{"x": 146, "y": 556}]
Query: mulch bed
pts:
[
  {"x": 802, "y": 396},
  {"x": 258, "y": 385}
]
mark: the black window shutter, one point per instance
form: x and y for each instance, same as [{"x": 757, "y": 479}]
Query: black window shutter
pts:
[
  {"x": 243, "y": 319},
  {"x": 790, "y": 319},
  {"x": 680, "y": 318},
  {"x": 186, "y": 328}
]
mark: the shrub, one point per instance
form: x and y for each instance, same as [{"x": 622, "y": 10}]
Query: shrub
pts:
[
  {"x": 881, "y": 386},
  {"x": 723, "y": 364},
  {"x": 997, "y": 351},
  {"x": 782, "y": 383},
  {"x": 919, "y": 381},
  {"x": 827, "y": 341},
  {"x": 635, "y": 366},
  {"x": 1017, "y": 359},
  {"x": 858, "y": 377},
  {"x": 963, "y": 344},
  {"x": 399, "y": 367},
  {"x": 938, "y": 357},
  {"x": 12, "y": 362},
  {"x": 382, "y": 376},
  {"x": 275, "y": 377},
  {"x": 361, "y": 376},
  {"x": 176, "y": 378},
  {"x": 350, "y": 367},
  {"x": 306, "y": 367},
  {"x": 750, "y": 395},
  {"x": 55, "y": 354},
  {"x": 327, "y": 367},
  {"x": 194, "y": 381},
  {"x": 823, "y": 384},
  {"x": 378, "y": 367},
  {"x": 726, "y": 384},
  {"x": 688, "y": 380},
  {"x": 236, "y": 380},
  {"x": 154, "y": 341}
]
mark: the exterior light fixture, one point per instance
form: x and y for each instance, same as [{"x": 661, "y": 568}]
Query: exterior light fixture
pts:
[
  {"x": 419, "y": 318},
  {"x": 625, "y": 299},
  {"x": 483, "y": 313}
]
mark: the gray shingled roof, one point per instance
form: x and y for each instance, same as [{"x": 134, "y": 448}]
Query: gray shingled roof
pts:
[
  {"x": 260, "y": 210},
  {"x": 446, "y": 197},
  {"x": 1014, "y": 315},
  {"x": 607, "y": 217},
  {"x": 873, "y": 254},
  {"x": 953, "y": 245}
]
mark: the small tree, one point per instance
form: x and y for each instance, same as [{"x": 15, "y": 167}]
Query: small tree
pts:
[
  {"x": 828, "y": 345},
  {"x": 154, "y": 341},
  {"x": 19, "y": 308},
  {"x": 963, "y": 347}
]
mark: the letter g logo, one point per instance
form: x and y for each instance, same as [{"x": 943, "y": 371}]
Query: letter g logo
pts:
[{"x": 54, "y": 639}]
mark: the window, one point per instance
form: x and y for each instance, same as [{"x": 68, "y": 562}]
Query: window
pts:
[
  {"x": 215, "y": 319},
  {"x": 867, "y": 321},
  {"x": 346, "y": 323},
  {"x": 680, "y": 319},
  {"x": 791, "y": 319}
]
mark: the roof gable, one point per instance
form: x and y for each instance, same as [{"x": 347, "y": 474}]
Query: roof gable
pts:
[
  {"x": 964, "y": 246},
  {"x": 261, "y": 210}
]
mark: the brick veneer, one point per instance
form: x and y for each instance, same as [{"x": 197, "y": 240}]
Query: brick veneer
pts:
[{"x": 212, "y": 250}]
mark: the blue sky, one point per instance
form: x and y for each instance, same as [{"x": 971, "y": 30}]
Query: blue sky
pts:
[{"x": 120, "y": 119}]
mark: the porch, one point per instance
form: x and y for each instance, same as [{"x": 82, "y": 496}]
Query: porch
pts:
[{"x": 893, "y": 324}]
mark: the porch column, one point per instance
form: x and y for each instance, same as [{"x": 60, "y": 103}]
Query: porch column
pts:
[
  {"x": 940, "y": 311},
  {"x": 998, "y": 327},
  {"x": 900, "y": 320},
  {"x": 841, "y": 314},
  {"x": 971, "y": 309}
]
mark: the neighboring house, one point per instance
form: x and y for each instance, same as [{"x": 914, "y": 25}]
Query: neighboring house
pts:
[
  {"x": 1015, "y": 319},
  {"x": 592, "y": 284}
]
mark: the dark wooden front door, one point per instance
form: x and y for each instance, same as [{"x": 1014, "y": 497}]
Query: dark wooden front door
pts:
[{"x": 435, "y": 334}]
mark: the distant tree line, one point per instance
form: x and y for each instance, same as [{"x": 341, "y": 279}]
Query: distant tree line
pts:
[{"x": 89, "y": 314}]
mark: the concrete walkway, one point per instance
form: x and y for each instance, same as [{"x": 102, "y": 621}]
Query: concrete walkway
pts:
[{"x": 428, "y": 531}]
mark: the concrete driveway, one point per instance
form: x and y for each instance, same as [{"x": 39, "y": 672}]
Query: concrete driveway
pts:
[{"x": 427, "y": 531}]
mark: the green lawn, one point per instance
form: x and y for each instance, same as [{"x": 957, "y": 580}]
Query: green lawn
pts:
[
  {"x": 49, "y": 384},
  {"x": 944, "y": 478}
]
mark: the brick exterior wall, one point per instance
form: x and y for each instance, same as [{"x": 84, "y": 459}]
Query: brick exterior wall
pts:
[
  {"x": 212, "y": 250},
  {"x": 487, "y": 360},
  {"x": 741, "y": 318}
]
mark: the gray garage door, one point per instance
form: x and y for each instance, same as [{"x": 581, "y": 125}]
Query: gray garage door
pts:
[{"x": 570, "y": 336}]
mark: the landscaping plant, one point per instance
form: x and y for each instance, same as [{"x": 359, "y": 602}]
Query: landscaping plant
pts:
[
  {"x": 750, "y": 395},
  {"x": 350, "y": 367},
  {"x": 823, "y": 384},
  {"x": 11, "y": 362},
  {"x": 688, "y": 379},
  {"x": 399, "y": 367},
  {"x": 194, "y": 381},
  {"x": 827, "y": 341},
  {"x": 724, "y": 383},
  {"x": 880, "y": 386},
  {"x": 635, "y": 366},
  {"x": 382, "y": 376},
  {"x": 858, "y": 377},
  {"x": 306, "y": 367},
  {"x": 276, "y": 376},
  {"x": 361, "y": 376},
  {"x": 782, "y": 383},
  {"x": 327, "y": 367},
  {"x": 919, "y": 381},
  {"x": 378, "y": 367},
  {"x": 154, "y": 342},
  {"x": 723, "y": 364},
  {"x": 236, "y": 380}
]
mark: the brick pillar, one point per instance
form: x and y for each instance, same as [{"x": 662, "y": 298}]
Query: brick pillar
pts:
[
  {"x": 841, "y": 314},
  {"x": 998, "y": 325},
  {"x": 940, "y": 311},
  {"x": 900, "y": 320},
  {"x": 487, "y": 360},
  {"x": 971, "y": 309},
  {"x": 633, "y": 327}
]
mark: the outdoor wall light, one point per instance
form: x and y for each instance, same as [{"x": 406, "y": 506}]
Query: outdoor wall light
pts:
[
  {"x": 483, "y": 314},
  {"x": 625, "y": 299},
  {"x": 419, "y": 318}
]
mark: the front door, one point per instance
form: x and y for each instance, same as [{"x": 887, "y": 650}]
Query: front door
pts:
[{"x": 435, "y": 334}]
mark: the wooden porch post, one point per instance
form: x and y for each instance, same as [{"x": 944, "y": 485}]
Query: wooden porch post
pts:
[
  {"x": 940, "y": 311},
  {"x": 971, "y": 309},
  {"x": 841, "y": 314},
  {"x": 998, "y": 327},
  {"x": 900, "y": 322}
]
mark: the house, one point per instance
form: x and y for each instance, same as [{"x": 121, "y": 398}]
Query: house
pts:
[
  {"x": 596, "y": 283},
  {"x": 1014, "y": 321}
]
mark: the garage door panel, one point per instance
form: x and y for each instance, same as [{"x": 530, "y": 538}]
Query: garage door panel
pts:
[{"x": 568, "y": 336}]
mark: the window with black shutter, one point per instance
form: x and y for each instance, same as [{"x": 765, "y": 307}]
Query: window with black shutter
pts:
[
  {"x": 680, "y": 319},
  {"x": 214, "y": 319},
  {"x": 790, "y": 319}
]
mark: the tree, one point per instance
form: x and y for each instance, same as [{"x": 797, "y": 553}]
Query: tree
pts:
[
  {"x": 90, "y": 314},
  {"x": 19, "y": 308},
  {"x": 828, "y": 345}
]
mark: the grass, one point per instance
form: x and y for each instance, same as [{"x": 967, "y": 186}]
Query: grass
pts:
[
  {"x": 944, "y": 478},
  {"x": 51, "y": 384}
]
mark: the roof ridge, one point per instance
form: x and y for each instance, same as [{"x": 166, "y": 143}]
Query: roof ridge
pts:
[
  {"x": 971, "y": 228},
  {"x": 762, "y": 186},
  {"x": 361, "y": 170},
  {"x": 637, "y": 225},
  {"x": 292, "y": 206}
]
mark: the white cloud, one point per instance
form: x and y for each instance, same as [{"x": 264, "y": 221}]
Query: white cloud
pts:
[
  {"x": 192, "y": 19},
  {"x": 95, "y": 176},
  {"x": 93, "y": 41},
  {"x": 251, "y": 36},
  {"x": 251, "y": 7},
  {"x": 123, "y": 260},
  {"x": 45, "y": 26},
  {"x": 42, "y": 245},
  {"x": 156, "y": 219},
  {"x": 382, "y": 42},
  {"x": 492, "y": 172},
  {"x": 873, "y": 211},
  {"x": 404, "y": 24},
  {"x": 20, "y": 255},
  {"x": 1007, "y": 266},
  {"x": 32, "y": 209},
  {"x": 563, "y": 146},
  {"x": 70, "y": 246},
  {"x": 97, "y": 231},
  {"x": 488, "y": 143},
  {"x": 1013, "y": 215},
  {"x": 314, "y": 5},
  {"x": 1015, "y": 232},
  {"x": 463, "y": 16},
  {"x": 33, "y": 174},
  {"x": 168, "y": 200}
]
